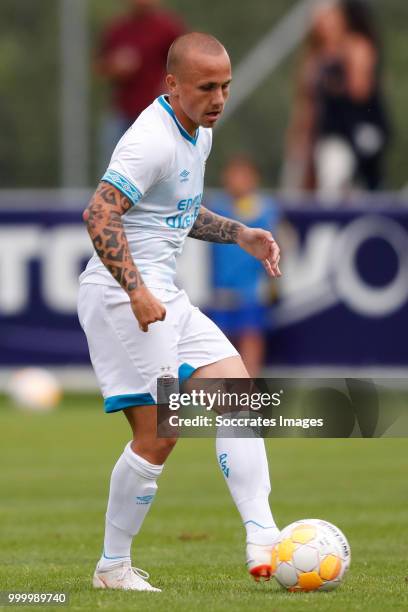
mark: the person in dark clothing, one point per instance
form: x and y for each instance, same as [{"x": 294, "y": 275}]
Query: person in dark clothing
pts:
[
  {"x": 340, "y": 127},
  {"x": 132, "y": 57}
]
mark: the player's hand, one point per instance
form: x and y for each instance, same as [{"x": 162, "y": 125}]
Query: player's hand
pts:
[
  {"x": 261, "y": 244},
  {"x": 146, "y": 308}
]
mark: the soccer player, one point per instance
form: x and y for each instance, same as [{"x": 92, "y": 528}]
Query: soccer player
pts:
[{"x": 139, "y": 324}]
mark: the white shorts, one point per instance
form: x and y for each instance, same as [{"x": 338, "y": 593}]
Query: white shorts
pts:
[{"x": 127, "y": 361}]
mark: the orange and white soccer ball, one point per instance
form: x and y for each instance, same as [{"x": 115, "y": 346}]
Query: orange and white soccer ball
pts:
[
  {"x": 311, "y": 555},
  {"x": 34, "y": 389}
]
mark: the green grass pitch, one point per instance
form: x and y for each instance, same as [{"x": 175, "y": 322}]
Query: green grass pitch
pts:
[{"x": 55, "y": 473}]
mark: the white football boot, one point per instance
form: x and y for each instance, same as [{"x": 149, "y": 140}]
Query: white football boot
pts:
[
  {"x": 259, "y": 560},
  {"x": 122, "y": 576}
]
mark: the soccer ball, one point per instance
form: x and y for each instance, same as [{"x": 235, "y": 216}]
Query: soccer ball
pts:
[
  {"x": 34, "y": 389},
  {"x": 310, "y": 555}
]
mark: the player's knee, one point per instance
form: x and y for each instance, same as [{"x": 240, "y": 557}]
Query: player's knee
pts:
[
  {"x": 156, "y": 451},
  {"x": 166, "y": 444}
]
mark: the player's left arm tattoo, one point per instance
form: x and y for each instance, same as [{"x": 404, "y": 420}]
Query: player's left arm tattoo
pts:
[{"x": 214, "y": 228}]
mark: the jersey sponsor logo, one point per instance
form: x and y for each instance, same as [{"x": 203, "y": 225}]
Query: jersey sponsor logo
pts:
[
  {"x": 189, "y": 209},
  {"x": 184, "y": 174}
]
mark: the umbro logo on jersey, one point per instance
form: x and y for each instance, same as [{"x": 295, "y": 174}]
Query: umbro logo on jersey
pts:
[{"x": 184, "y": 174}]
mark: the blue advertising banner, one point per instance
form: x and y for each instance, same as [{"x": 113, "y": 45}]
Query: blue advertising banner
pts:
[
  {"x": 344, "y": 295},
  {"x": 343, "y": 299},
  {"x": 42, "y": 254}
]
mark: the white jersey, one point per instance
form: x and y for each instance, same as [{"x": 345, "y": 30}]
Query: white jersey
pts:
[{"x": 159, "y": 167}]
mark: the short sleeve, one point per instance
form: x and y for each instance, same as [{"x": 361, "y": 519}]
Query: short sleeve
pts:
[{"x": 139, "y": 162}]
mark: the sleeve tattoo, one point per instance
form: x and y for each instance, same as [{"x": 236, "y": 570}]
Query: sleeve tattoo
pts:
[
  {"x": 104, "y": 224},
  {"x": 214, "y": 228}
]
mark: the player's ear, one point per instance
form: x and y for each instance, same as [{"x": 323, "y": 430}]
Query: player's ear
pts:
[{"x": 171, "y": 83}]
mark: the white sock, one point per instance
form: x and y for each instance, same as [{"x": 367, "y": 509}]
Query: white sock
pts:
[
  {"x": 132, "y": 489},
  {"x": 244, "y": 464}
]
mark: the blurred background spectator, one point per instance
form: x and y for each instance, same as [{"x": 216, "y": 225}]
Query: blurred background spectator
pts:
[
  {"x": 339, "y": 128},
  {"x": 132, "y": 57},
  {"x": 241, "y": 289}
]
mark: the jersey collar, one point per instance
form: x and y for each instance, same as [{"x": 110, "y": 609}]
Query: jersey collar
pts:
[{"x": 162, "y": 100}]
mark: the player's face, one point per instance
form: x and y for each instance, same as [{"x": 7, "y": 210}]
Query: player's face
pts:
[{"x": 201, "y": 89}]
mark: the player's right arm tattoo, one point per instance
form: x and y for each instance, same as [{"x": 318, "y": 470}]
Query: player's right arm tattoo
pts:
[
  {"x": 104, "y": 224},
  {"x": 214, "y": 228}
]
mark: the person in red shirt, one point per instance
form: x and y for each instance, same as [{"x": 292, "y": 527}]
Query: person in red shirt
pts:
[{"x": 132, "y": 56}]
